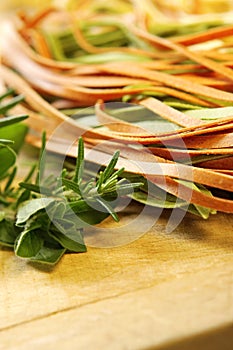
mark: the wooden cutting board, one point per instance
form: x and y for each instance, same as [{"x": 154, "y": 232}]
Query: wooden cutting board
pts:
[{"x": 158, "y": 292}]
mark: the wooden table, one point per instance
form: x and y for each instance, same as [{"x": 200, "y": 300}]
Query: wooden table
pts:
[
  {"x": 168, "y": 292},
  {"x": 159, "y": 292}
]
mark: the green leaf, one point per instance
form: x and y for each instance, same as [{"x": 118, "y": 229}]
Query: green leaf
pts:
[
  {"x": 71, "y": 240},
  {"x": 79, "y": 162},
  {"x": 42, "y": 160},
  {"x": 16, "y": 133},
  {"x": 60, "y": 209},
  {"x": 4, "y": 142},
  {"x": 111, "y": 166},
  {"x": 79, "y": 206},
  {"x": 9, "y": 92},
  {"x": 48, "y": 254},
  {"x": 2, "y": 215},
  {"x": 36, "y": 188},
  {"x": 109, "y": 57},
  {"x": 29, "y": 243},
  {"x": 24, "y": 196},
  {"x": 12, "y": 120},
  {"x": 144, "y": 198},
  {"x": 108, "y": 208},
  {"x": 87, "y": 214},
  {"x": 54, "y": 46},
  {"x": 123, "y": 189},
  {"x": 29, "y": 208},
  {"x": 3, "y": 200},
  {"x": 30, "y": 173},
  {"x": 203, "y": 211},
  {"x": 10, "y": 179},
  {"x": 8, "y": 232},
  {"x": 8, "y": 157},
  {"x": 13, "y": 102},
  {"x": 64, "y": 224},
  {"x": 71, "y": 185}
]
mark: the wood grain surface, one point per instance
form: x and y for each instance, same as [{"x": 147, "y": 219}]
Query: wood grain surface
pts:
[
  {"x": 167, "y": 292},
  {"x": 159, "y": 292}
]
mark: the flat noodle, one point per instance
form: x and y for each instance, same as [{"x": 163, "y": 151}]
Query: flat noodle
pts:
[
  {"x": 210, "y": 81},
  {"x": 209, "y": 34},
  {"x": 182, "y": 133},
  {"x": 23, "y": 65},
  {"x": 210, "y": 141},
  {"x": 137, "y": 71},
  {"x": 115, "y": 124},
  {"x": 40, "y": 105},
  {"x": 104, "y": 81},
  {"x": 171, "y": 65},
  {"x": 154, "y": 165},
  {"x": 181, "y": 95},
  {"x": 82, "y": 42},
  {"x": 170, "y": 113},
  {"x": 32, "y": 21},
  {"x": 40, "y": 44},
  {"x": 14, "y": 37},
  {"x": 210, "y": 64},
  {"x": 51, "y": 82},
  {"x": 219, "y": 56},
  {"x": 166, "y": 183},
  {"x": 177, "y": 154},
  {"x": 196, "y": 197},
  {"x": 226, "y": 163}
]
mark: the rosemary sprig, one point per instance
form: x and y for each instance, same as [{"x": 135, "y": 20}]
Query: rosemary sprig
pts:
[{"x": 43, "y": 220}]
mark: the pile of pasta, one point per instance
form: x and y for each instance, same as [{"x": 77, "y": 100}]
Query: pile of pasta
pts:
[{"x": 62, "y": 61}]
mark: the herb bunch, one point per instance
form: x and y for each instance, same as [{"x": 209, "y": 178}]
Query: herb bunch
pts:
[{"x": 42, "y": 219}]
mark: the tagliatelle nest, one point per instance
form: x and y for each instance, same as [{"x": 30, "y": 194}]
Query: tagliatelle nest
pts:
[{"x": 62, "y": 61}]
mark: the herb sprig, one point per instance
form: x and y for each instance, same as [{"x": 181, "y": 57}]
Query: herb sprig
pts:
[
  {"x": 60, "y": 207},
  {"x": 44, "y": 218}
]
